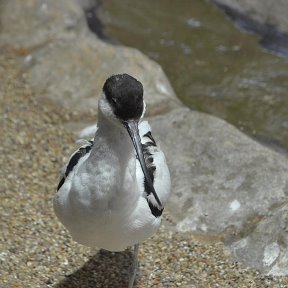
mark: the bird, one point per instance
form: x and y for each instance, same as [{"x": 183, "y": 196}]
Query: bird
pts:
[{"x": 113, "y": 189}]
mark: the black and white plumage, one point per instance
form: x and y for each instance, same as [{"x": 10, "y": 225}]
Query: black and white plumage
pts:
[{"x": 113, "y": 189}]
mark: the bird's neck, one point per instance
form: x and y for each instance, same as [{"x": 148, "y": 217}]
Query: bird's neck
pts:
[
  {"x": 113, "y": 154},
  {"x": 113, "y": 139}
]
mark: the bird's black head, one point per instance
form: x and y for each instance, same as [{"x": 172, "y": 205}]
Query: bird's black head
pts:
[{"x": 125, "y": 95}]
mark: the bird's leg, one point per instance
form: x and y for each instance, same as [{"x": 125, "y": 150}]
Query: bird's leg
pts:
[{"x": 134, "y": 267}]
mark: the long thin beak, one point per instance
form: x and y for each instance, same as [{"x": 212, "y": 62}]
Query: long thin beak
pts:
[{"x": 132, "y": 128}]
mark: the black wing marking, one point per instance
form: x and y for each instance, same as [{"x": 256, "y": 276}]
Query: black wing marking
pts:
[
  {"x": 74, "y": 160},
  {"x": 152, "y": 142},
  {"x": 61, "y": 183},
  {"x": 148, "y": 157}
]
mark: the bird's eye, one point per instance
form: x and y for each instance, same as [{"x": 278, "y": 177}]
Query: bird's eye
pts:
[{"x": 114, "y": 100}]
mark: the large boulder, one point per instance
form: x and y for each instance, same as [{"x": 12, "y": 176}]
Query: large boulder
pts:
[
  {"x": 265, "y": 17},
  {"x": 65, "y": 62},
  {"x": 31, "y": 24},
  {"x": 227, "y": 185},
  {"x": 273, "y": 13},
  {"x": 72, "y": 73}
]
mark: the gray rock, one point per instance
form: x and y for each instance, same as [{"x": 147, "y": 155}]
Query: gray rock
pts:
[
  {"x": 270, "y": 12},
  {"x": 227, "y": 185},
  {"x": 266, "y": 245},
  {"x": 31, "y": 24},
  {"x": 65, "y": 62},
  {"x": 72, "y": 73}
]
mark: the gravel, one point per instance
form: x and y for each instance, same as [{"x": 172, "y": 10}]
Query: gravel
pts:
[{"x": 35, "y": 249}]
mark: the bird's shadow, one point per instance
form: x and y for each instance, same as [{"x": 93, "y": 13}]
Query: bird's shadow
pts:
[{"x": 104, "y": 270}]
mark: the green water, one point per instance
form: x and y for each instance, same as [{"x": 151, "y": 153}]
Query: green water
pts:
[{"x": 213, "y": 67}]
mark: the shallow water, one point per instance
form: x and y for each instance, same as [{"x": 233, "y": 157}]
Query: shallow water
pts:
[{"x": 213, "y": 67}]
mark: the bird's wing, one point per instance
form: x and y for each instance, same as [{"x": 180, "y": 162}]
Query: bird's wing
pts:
[
  {"x": 157, "y": 168},
  {"x": 74, "y": 159}
]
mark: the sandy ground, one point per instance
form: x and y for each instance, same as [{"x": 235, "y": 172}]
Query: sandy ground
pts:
[{"x": 36, "y": 251}]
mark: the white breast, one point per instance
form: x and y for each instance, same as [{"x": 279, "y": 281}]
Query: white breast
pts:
[{"x": 102, "y": 202}]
